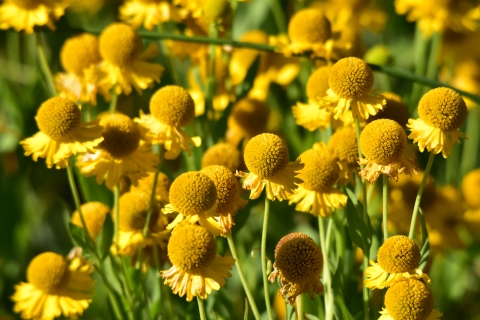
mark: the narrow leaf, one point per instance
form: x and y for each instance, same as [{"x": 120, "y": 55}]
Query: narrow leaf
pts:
[
  {"x": 78, "y": 235},
  {"x": 105, "y": 239},
  {"x": 425, "y": 248}
]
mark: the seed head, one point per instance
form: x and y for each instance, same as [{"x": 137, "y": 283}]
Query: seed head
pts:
[
  {"x": 343, "y": 145},
  {"x": 48, "y": 272},
  {"x": 80, "y": 52},
  {"x": 409, "y": 300},
  {"x": 121, "y": 135},
  {"x": 398, "y": 254},
  {"x": 266, "y": 155},
  {"x": 309, "y": 26},
  {"x": 57, "y": 117},
  {"x": 120, "y": 44},
  {"x": 350, "y": 78},
  {"x": 173, "y": 106},
  {"x": 192, "y": 193},
  {"x": 320, "y": 170}
]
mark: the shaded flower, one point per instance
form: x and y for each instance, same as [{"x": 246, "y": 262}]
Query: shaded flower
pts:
[
  {"x": 56, "y": 287},
  {"x": 222, "y": 154},
  {"x": 471, "y": 188},
  {"x": 344, "y": 148},
  {"x": 149, "y": 13},
  {"x": 196, "y": 268},
  {"x": 162, "y": 190},
  {"x": 94, "y": 213},
  {"x": 395, "y": 109},
  {"x": 62, "y": 133},
  {"x": 248, "y": 118}
]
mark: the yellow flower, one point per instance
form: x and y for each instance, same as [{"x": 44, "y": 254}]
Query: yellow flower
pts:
[
  {"x": 196, "y": 268},
  {"x": 467, "y": 69},
  {"x": 383, "y": 142},
  {"x": 122, "y": 153},
  {"x": 124, "y": 63},
  {"x": 309, "y": 115},
  {"x": 395, "y": 109},
  {"x": 442, "y": 111},
  {"x": 149, "y": 13},
  {"x": 266, "y": 156},
  {"x": 56, "y": 287},
  {"x": 222, "y": 154},
  {"x": 228, "y": 200},
  {"x": 316, "y": 194},
  {"x": 409, "y": 300},
  {"x": 162, "y": 190},
  {"x": 350, "y": 81},
  {"x": 171, "y": 108},
  {"x": 398, "y": 259},
  {"x": 248, "y": 118},
  {"x": 343, "y": 147},
  {"x": 26, "y": 14},
  {"x": 298, "y": 265},
  {"x": 61, "y": 134},
  {"x": 79, "y": 56},
  {"x": 193, "y": 196},
  {"x": 471, "y": 188},
  {"x": 94, "y": 213},
  {"x": 133, "y": 209}
]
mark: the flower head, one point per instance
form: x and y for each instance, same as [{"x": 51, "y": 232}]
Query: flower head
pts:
[
  {"x": 94, "y": 213},
  {"x": 196, "y": 267},
  {"x": 162, "y": 190},
  {"x": 343, "y": 147},
  {"x": 124, "y": 63},
  {"x": 471, "y": 188},
  {"x": 55, "y": 287},
  {"x": 121, "y": 154},
  {"x": 62, "y": 133},
  {"x": 80, "y": 52},
  {"x": 350, "y": 81},
  {"x": 395, "y": 109},
  {"x": 298, "y": 265},
  {"x": 383, "y": 142},
  {"x": 149, "y": 13},
  {"x": 398, "y": 259},
  {"x": 222, "y": 154},
  {"x": 442, "y": 111},
  {"x": 316, "y": 194},
  {"x": 171, "y": 108},
  {"x": 267, "y": 158},
  {"x": 247, "y": 119},
  {"x": 409, "y": 300}
]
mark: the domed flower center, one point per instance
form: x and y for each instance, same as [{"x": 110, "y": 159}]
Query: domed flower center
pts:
[
  {"x": 48, "y": 272},
  {"x": 298, "y": 258},
  {"x": 350, "y": 78},
  {"x": 266, "y": 154},
  {"x": 133, "y": 209},
  {"x": 343, "y": 145},
  {"x": 223, "y": 154},
  {"x": 173, "y": 106},
  {"x": 192, "y": 193},
  {"x": 225, "y": 183},
  {"x": 309, "y": 26},
  {"x": 320, "y": 170},
  {"x": 317, "y": 84},
  {"x": 121, "y": 135},
  {"x": 443, "y": 108},
  {"x": 94, "y": 214},
  {"x": 409, "y": 300},
  {"x": 191, "y": 247},
  {"x": 57, "y": 117},
  {"x": 383, "y": 141},
  {"x": 120, "y": 44},
  {"x": 250, "y": 115},
  {"x": 398, "y": 254},
  {"x": 79, "y": 53},
  {"x": 26, "y": 4}
]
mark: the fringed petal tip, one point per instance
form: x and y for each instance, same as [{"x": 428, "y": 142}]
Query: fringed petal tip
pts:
[
  {"x": 372, "y": 170},
  {"x": 363, "y": 107}
]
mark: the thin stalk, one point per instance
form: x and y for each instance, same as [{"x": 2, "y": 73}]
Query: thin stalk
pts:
[
  {"x": 116, "y": 196},
  {"x": 113, "y": 102},
  {"x": 299, "y": 304},
  {"x": 76, "y": 197},
  {"x": 264, "y": 258},
  {"x": 385, "y": 202},
  {"x": 278, "y": 16},
  {"x": 42, "y": 59},
  {"x": 250, "y": 298},
  {"x": 113, "y": 298},
  {"x": 419, "y": 195},
  {"x": 201, "y": 308},
  {"x": 326, "y": 270}
]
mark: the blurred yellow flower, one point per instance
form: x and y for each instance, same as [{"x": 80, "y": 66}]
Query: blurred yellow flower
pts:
[
  {"x": 471, "y": 188},
  {"x": 149, "y": 13},
  {"x": 222, "y": 154},
  {"x": 94, "y": 213},
  {"x": 343, "y": 147},
  {"x": 162, "y": 190},
  {"x": 395, "y": 109},
  {"x": 248, "y": 118}
]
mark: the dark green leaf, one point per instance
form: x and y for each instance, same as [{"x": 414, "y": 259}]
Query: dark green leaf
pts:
[
  {"x": 78, "y": 235},
  {"x": 337, "y": 281},
  {"x": 359, "y": 231},
  {"x": 340, "y": 309},
  {"x": 425, "y": 249},
  {"x": 105, "y": 239}
]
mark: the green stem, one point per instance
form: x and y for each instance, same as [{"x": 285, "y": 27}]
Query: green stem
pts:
[
  {"x": 116, "y": 196},
  {"x": 113, "y": 102},
  {"x": 299, "y": 303},
  {"x": 42, "y": 59},
  {"x": 419, "y": 195},
  {"x": 264, "y": 258},
  {"x": 326, "y": 269},
  {"x": 385, "y": 202},
  {"x": 278, "y": 16},
  {"x": 113, "y": 298},
  {"x": 250, "y": 298},
  {"x": 76, "y": 197},
  {"x": 201, "y": 308}
]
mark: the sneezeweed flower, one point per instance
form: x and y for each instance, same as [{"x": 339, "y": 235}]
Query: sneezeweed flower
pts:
[
  {"x": 196, "y": 269},
  {"x": 228, "y": 200},
  {"x": 193, "y": 196},
  {"x": 94, "y": 213},
  {"x": 309, "y": 115},
  {"x": 398, "y": 259},
  {"x": 266, "y": 156},
  {"x": 471, "y": 188},
  {"x": 124, "y": 63},
  {"x": 316, "y": 194},
  {"x": 298, "y": 265},
  {"x": 222, "y": 154},
  {"x": 162, "y": 190},
  {"x": 350, "y": 81},
  {"x": 409, "y": 300},
  {"x": 343, "y": 147},
  {"x": 62, "y": 133},
  {"x": 56, "y": 287},
  {"x": 149, "y": 13},
  {"x": 383, "y": 143},
  {"x": 442, "y": 111},
  {"x": 171, "y": 108},
  {"x": 121, "y": 154},
  {"x": 26, "y": 14},
  {"x": 79, "y": 57},
  {"x": 248, "y": 118},
  {"x": 395, "y": 109}
]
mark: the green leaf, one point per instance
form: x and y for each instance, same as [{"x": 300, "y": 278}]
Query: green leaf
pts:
[
  {"x": 245, "y": 314},
  {"x": 359, "y": 231},
  {"x": 105, "y": 239},
  {"x": 340, "y": 309},
  {"x": 425, "y": 250},
  {"x": 78, "y": 235},
  {"x": 337, "y": 279}
]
